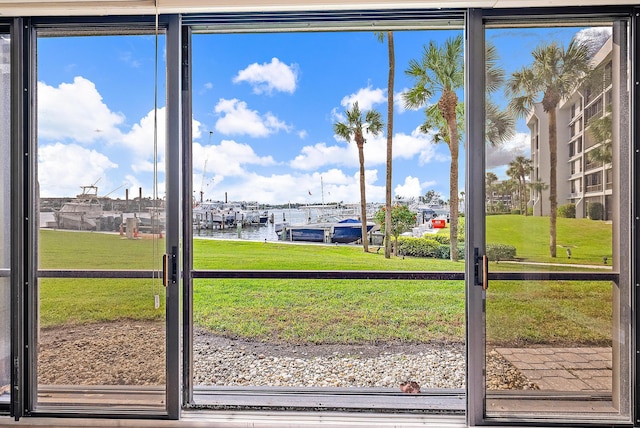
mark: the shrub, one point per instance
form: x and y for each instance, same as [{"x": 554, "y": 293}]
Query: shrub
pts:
[
  {"x": 426, "y": 247},
  {"x": 567, "y": 211},
  {"x": 441, "y": 238},
  {"x": 497, "y": 252},
  {"x": 596, "y": 211},
  {"x": 515, "y": 211},
  {"x": 417, "y": 247}
]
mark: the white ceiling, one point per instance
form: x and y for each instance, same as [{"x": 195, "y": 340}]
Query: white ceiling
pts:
[{"x": 127, "y": 7}]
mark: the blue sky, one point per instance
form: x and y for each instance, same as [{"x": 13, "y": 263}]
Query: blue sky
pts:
[{"x": 264, "y": 106}]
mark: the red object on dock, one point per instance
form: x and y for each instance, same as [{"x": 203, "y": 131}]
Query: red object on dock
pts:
[{"x": 438, "y": 223}]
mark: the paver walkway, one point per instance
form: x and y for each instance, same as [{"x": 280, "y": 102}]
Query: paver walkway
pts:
[{"x": 563, "y": 369}]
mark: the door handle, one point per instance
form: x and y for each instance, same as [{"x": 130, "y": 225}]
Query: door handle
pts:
[
  {"x": 170, "y": 267},
  {"x": 485, "y": 272},
  {"x": 480, "y": 269}
]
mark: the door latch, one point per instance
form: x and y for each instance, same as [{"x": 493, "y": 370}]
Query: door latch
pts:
[
  {"x": 480, "y": 269},
  {"x": 170, "y": 267}
]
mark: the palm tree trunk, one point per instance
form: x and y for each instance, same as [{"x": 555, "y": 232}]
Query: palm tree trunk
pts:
[
  {"x": 553, "y": 188},
  {"x": 387, "y": 216},
  {"x": 363, "y": 200},
  {"x": 540, "y": 201},
  {"x": 453, "y": 191}
]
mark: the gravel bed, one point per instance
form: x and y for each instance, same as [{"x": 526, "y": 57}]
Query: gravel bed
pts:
[{"x": 132, "y": 353}]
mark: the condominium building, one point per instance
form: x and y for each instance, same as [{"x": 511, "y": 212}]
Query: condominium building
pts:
[{"x": 583, "y": 178}]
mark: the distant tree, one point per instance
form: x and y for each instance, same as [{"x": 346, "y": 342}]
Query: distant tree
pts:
[
  {"x": 555, "y": 73},
  {"x": 433, "y": 198},
  {"x": 490, "y": 179},
  {"x": 354, "y": 128},
  {"x": 402, "y": 220},
  {"x": 519, "y": 169},
  {"x": 538, "y": 187},
  {"x": 507, "y": 189}
]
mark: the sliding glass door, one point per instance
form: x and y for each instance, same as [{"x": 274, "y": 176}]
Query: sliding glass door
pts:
[
  {"x": 555, "y": 281},
  {"x": 101, "y": 325}
]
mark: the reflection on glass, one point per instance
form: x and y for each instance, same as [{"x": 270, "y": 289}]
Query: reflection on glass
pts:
[
  {"x": 319, "y": 333},
  {"x": 550, "y": 207},
  {"x": 100, "y": 342},
  {"x": 5, "y": 220}
]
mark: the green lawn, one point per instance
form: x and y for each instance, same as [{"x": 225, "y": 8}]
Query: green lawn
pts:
[
  {"x": 588, "y": 240},
  {"x": 322, "y": 311}
]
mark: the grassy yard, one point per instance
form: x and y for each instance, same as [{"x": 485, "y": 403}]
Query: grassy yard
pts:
[
  {"x": 322, "y": 311},
  {"x": 588, "y": 240}
]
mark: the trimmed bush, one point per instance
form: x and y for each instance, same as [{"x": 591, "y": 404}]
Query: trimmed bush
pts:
[
  {"x": 426, "y": 247},
  {"x": 444, "y": 252},
  {"x": 515, "y": 211},
  {"x": 497, "y": 252},
  {"x": 417, "y": 247},
  {"x": 567, "y": 211},
  {"x": 441, "y": 238},
  {"x": 596, "y": 211}
]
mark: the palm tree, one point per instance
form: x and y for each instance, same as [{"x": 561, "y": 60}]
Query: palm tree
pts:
[
  {"x": 554, "y": 74},
  {"x": 490, "y": 178},
  {"x": 390, "y": 86},
  {"x": 440, "y": 71},
  {"x": 519, "y": 169},
  {"x": 538, "y": 186},
  {"x": 355, "y": 127},
  {"x": 499, "y": 124}
]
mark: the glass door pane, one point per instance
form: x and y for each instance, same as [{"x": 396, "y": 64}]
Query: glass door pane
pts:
[
  {"x": 101, "y": 302},
  {"x": 5, "y": 220},
  {"x": 277, "y": 193},
  {"x": 557, "y": 310}
]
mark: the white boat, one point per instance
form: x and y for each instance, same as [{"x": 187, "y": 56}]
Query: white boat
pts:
[{"x": 83, "y": 213}]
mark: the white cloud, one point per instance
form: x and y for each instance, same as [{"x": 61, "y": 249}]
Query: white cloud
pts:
[
  {"x": 75, "y": 112},
  {"x": 593, "y": 38},
  {"x": 277, "y": 188},
  {"x": 269, "y": 77},
  {"x": 237, "y": 119},
  {"x": 410, "y": 188},
  {"x": 227, "y": 158},
  {"x": 69, "y": 166},
  {"x": 503, "y": 154},
  {"x": 318, "y": 155},
  {"x": 398, "y": 101},
  {"x": 303, "y": 134},
  {"x": 140, "y": 141},
  {"x": 375, "y": 152},
  {"x": 367, "y": 98}
]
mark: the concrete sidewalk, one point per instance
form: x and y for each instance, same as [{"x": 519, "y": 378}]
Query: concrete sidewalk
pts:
[{"x": 563, "y": 369}]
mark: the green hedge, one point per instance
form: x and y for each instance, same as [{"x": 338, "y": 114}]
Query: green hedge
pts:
[
  {"x": 567, "y": 211},
  {"x": 596, "y": 211},
  {"x": 497, "y": 252},
  {"x": 427, "y": 247}
]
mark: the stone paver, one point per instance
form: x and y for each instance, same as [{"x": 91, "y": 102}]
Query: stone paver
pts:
[{"x": 563, "y": 369}]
